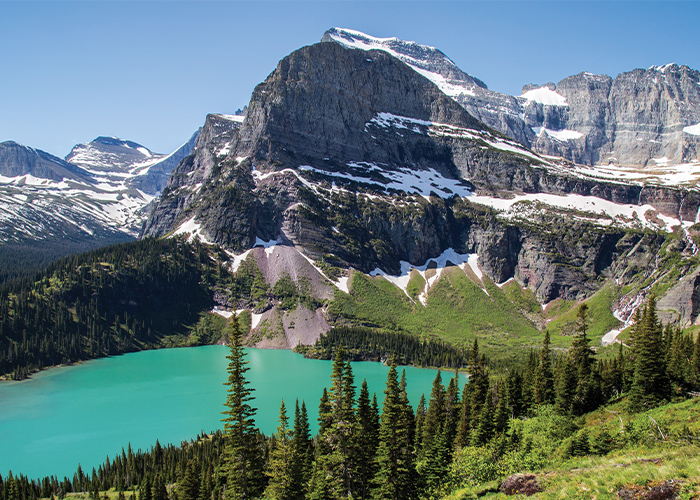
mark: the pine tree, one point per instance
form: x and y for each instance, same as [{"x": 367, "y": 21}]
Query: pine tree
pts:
[
  {"x": 241, "y": 464},
  {"x": 205, "y": 487},
  {"x": 332, "y": 475},
  {"x": 435, "y": 416},
  {"x": 586, "y": 395},
  {"x": 566, "y": 386},
  {"x": 500, "y": 419},
  {"x": 146, "y": 493},
  {"x": 396, "y": 474},
  {"x": 515, "y": 394},
  {"x": 421, "y": 410},
  {"x": 483, "y": 432},
  {"x": 543, "y": 383},
  {"x": 302, "y": 453},
  {"x": 366, "y": 444},
  {"x": 280, "y": 463},
  {"x": 464, "y": 427},
  {"x": 188, "y": 488},
  {"x": 452, "y": 413},
  {"x": 650, "y": 384}
]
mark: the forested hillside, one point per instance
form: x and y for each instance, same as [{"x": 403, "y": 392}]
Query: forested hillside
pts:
[
  {"x": 113, "y": 300},
  {"x": 460, "y": 442}
]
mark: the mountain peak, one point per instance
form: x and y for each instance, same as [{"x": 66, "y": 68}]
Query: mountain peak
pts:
[
  {"x": 115, "y": 141},
  {"x": 18, "y": 160},
  {"x": 426, "y": 60}
]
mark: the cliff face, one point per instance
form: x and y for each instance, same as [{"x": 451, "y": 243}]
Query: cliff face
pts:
[
  {"x": 358, "y": 160},
  {"x": 640, "y": 118}
]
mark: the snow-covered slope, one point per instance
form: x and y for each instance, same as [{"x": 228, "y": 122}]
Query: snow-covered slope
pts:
[{"x": 98, "y": 193}]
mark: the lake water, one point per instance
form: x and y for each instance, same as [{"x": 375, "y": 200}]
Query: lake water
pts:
[{"x": 80, "y": 414}]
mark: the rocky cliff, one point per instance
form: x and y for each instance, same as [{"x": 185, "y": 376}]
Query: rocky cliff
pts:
[
  {"x": 356, "y": 159},
  {"x": 640, "y": 118}
]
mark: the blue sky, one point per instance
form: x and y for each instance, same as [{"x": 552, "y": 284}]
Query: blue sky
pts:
[{"x": 151, "y": 71}]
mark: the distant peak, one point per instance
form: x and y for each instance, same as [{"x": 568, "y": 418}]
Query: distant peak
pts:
[
  {"x": 662, "y": 69},
  {"x": 353, "y": 36},
  {"x": 115, "y": 141}
]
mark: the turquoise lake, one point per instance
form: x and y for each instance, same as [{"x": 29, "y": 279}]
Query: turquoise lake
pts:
[{"x": 81, "y": 414}]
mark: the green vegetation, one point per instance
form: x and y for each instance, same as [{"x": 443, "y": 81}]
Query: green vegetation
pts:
[
  {"x": 457, "y": 310},
  {"x": 577, "y": 425},
  {"x": 601, "y": 317},
  {"x": 377, "y": 345},
  {"x": 117, "y": 299}
]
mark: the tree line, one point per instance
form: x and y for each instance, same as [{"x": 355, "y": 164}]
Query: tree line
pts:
[
  {"x": 455, "y": 436},
  {"x": 366, "y": 344}
]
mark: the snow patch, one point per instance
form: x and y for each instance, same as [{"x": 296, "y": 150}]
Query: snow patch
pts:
[
  {"x": 237, "y": 260},
  {"x": 233, "y": 118},
  {"x": 544, "y": 95},
  {"x": 606, "y": 212},
  {"x": 692, "y": 130},
  {"x": 193, "y": 229},
  {"x": 421, "y": 182},
  {"x": 437, "y": 264},
  {"x": 610, "y": 337},
  {"x": 222, "y": 312},
  {"x": 473, "y": 262},
  {"x": 559, "y": 135},
  {"x": 361, "y": 41},
  {"x": 255, "y": 319},
  {"x": 343, "y": 284}
]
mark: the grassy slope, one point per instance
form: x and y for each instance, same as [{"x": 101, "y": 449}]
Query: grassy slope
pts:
[
  {"x": 645, "y": 459},
  {"x": 457, "y": 311},
  {"x": 601, "y": 318}
]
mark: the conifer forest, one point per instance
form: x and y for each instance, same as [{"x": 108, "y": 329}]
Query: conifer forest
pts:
[{"x": 378, "y": 446}]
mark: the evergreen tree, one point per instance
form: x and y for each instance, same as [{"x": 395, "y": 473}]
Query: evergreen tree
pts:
[
  {"x": 483, "y": 432},
  {"x": 421, "y": 410},
  {"x": 241, "y": 464},
  {"x": 332, "y": 475},
  {"x": 452, "y": 414},
  {"x": 280, "y": 463},
  {"x": 396, "y": 474},
  {"x": 501, "y": 416},
  {"x": 566, "y": 386},
  {"x": 366, "y": 444},
  {"x": 205, "y": 487},
  {"x": 302, "y": 453},
  {"x": 464, "y": 427},
  {"x": 543, "y": 383},
  {"x": 435, "y": 416},
  {"x": 515, "y": 394},
  {"x": 188, "y": 487},
  {"x": 650, "y": 384},
  {"x": 146, "y": 493}
]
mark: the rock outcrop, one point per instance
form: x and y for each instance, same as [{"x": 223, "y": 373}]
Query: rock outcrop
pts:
[{"x": 641, "y": 118}]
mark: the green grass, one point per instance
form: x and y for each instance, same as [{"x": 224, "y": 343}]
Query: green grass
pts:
[
  {"x": 642, "y": 458},
  {"x": 457, "y": 311},
  {"x": 523, "y": 299},
  {"x": 601, "y": 318}
]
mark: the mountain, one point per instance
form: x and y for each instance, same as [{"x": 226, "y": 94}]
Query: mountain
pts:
[
  {"x": 354, "y": 170},
  {"x": 640, "y": 118},
  {"x": 98, "y": 196},
  {"x": 17, "y": 161}
]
